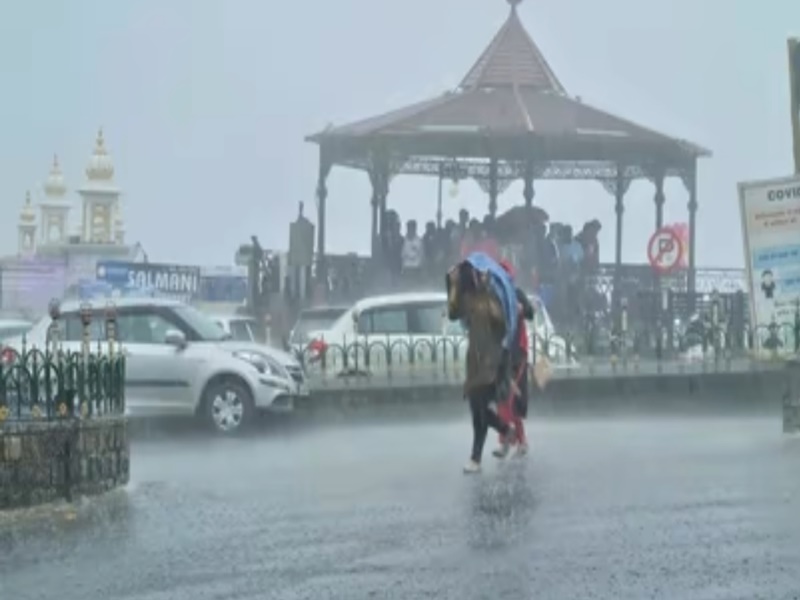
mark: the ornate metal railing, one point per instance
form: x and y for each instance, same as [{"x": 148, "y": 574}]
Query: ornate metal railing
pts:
[
  {"x": 352, "y": 277},
  {"x": 53, "y": 383},
  {"x": 60, "y": 385},
  {"x": 628, "y": 353}
]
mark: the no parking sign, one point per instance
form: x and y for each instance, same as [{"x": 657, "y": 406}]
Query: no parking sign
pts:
[{"x": 665, "y": 250}]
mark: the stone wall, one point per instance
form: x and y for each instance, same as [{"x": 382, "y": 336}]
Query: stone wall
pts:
[{"x": 44, "y": 461}]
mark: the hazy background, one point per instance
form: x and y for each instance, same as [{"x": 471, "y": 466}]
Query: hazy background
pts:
[{"x": 205, "y": 105}]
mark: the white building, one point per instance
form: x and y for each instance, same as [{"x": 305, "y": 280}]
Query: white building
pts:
[
  {"x": 26, "y": 229},
  {"x": 102, "y": 218},
  {"x": 47, "y": 264},
  {"x": 100, "y": 225},
  {"x": 54, "y": 208}
]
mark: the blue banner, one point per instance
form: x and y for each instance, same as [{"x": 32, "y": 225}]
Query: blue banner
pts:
[
  {"x": 177, "y": 281},
  {"x": 222, "y": 288}
]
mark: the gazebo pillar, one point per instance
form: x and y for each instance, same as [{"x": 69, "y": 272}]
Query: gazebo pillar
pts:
[
  {"x": 379, "y": 178},
  {"x": 325, "y": 164},
  {"x": 659, "y": 198},
  {"x": 378, "y": 203},
  {"x": 620, "y": 186},
  {"x": 383, "y": 194},
  {"x": 690, "y": 181},
  {"x": 493, "y": 188},
  {"x": 374, "y": 202},
  {"x": 528, "y": 192},
  {"x": 528, "y": 252}
]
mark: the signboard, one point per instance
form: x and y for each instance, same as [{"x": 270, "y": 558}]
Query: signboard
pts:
[
  {"x": 682, "y": 231},
  {"x": 176, "y": 281},
  {"x": 770, "y": 213},
  {"x": 665, "y": 250},
  {"x": 222, "y": 288},
  {"x": 794, "y": 97}
]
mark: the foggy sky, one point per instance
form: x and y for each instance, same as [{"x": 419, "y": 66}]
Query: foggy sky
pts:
[{"x": 205, "y": 106}]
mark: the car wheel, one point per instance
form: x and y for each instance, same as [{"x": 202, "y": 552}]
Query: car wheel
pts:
[{"x": 228, "y": 405}]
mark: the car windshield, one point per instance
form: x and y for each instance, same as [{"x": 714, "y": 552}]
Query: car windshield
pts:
[
  {"x": 315, "y": 320},
  {"x": 243, "y": 330},
  {"x": 205, "y": 327}
]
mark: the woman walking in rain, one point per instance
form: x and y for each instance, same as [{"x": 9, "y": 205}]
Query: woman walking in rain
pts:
[
  {"x": 482, "y": 296},
  {"x": 515, "y": 408}
]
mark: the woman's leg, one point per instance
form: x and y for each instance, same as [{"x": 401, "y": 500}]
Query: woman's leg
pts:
[
  {"x": 484, "y": 417},
  {"x": 519, "y": 429},
  {"x": 507, "y": 438},
  {"x": 495, "y": 422},
  {"x": 521, "y": 409},
  {"x": 480, "y": 426},
  {"x": 506, "y": 412}
]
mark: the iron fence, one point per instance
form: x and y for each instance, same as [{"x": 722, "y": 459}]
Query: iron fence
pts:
[
  {"x": 55, "y": 383},
  {"x": 418, "y": 359},
  {"x": 60, "y": 385}
]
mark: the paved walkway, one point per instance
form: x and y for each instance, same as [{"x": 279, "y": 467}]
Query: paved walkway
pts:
[{"x": 675, "y": 509}]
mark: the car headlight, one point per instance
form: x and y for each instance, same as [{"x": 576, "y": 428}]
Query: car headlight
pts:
[{"x": 262, "y": 363}]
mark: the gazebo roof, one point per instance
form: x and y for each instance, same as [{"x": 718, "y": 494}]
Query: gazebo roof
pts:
[
  {"x": 512, "y": 57},
  {"x": 510, "y": 106}
]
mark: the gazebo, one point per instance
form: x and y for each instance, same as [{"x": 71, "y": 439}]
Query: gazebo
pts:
[{"x": 510, "y": 118}]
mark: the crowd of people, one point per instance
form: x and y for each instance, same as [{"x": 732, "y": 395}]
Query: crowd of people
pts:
[
  {"x": 547, "y": 251},
  {"x": 550, "y": 260}
]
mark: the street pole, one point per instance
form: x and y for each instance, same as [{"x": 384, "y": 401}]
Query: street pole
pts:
[{"x": 794, "y": 95}]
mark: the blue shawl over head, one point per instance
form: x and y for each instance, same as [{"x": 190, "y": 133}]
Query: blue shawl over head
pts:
[{"x": 503, "y": 288}]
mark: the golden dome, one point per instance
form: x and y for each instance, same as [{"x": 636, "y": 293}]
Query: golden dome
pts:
[
  {"x": 100, "y": 167},
  {"x": 54, "y": 186},
  {"x": 27, "y": 215}
]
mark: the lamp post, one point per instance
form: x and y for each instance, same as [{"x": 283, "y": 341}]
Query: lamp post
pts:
[
  {"x": 111, "y": 327},
  {"x": 715, "y": 322},
  {"x": 86, "y": 323},
  {"x": 54, "y": 330}
]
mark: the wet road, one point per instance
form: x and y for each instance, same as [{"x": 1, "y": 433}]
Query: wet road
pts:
[{"x": 651, "y": 508}]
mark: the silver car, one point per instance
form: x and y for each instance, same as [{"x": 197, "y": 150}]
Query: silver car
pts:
[
  {"x": 11, "y": 328},
  {"x": 241, "y": 328},
  {"x": 179, "y": 361}
]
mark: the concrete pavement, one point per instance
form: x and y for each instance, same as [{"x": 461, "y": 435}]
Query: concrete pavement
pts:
[{"x": 603, "y": 508}]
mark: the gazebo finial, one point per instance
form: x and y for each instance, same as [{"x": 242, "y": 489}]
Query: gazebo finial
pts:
[{"x": 514, "y": 4}]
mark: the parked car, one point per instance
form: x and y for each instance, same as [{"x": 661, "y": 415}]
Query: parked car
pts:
[
  {"x": 310, "y": 320},
  {"x": 401, "y": 321},
  {"x": 241, "y": 328},
  {"x": 309, "y": 323},
  {"x": 11, "y": 328},
  {"x": 179, "y": 361}
]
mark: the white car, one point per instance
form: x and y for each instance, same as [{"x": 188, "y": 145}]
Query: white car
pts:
[
  {"x": 313, "y": 320},
  {"x": 12, "y": 328},
  {"x": 179, "y": 362},
  {"x": 240, "y": 328},
  {"x": 402, "y": 321}
]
